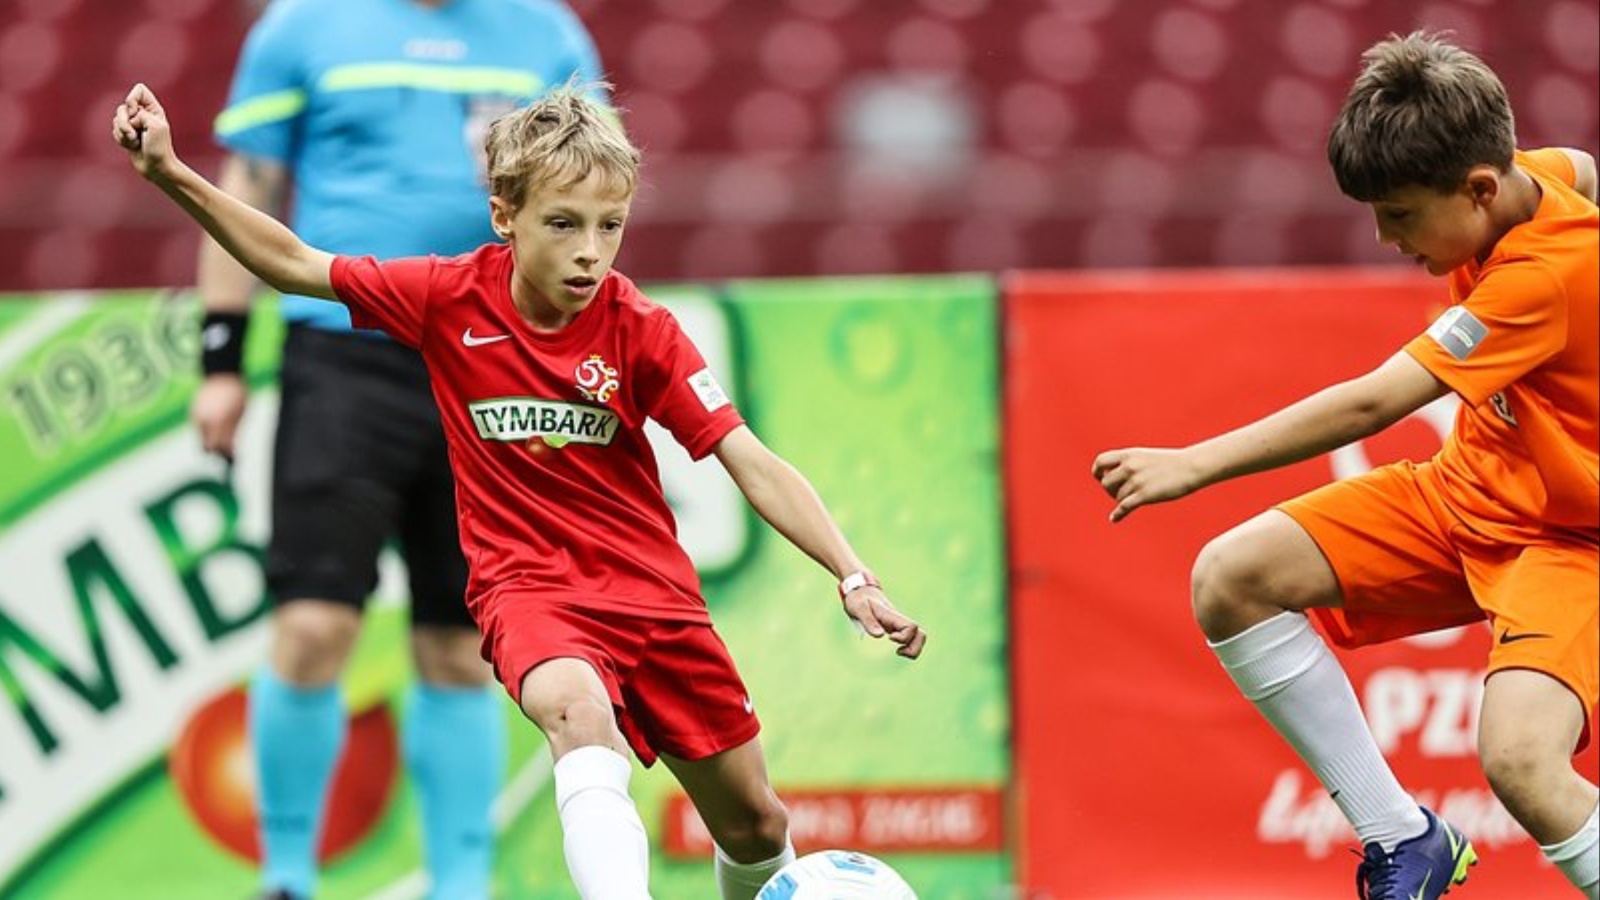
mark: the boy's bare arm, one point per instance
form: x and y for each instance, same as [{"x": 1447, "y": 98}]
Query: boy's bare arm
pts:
[
  {"x": 787, "y": 501},
  {"x": 263, "y": 244},
  {"x": 1326, "y": 420}
]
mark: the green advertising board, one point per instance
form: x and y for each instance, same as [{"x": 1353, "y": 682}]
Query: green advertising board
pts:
[{"x": 132, "y": 605}]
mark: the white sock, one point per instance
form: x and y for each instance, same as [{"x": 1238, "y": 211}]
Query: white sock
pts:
[
  {"x": 608, "y": 853},
  {"x": 1578, "y": 857},
  {"x": 1284, "y": 668},
  {"x": 741, "y": 881}
]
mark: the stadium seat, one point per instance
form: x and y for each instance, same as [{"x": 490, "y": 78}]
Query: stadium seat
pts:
[{"x": 816, "y": 136}]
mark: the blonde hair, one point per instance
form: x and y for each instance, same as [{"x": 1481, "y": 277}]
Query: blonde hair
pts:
[
  {"x": 1422, "y": 112},
  {"x": 558, "y": 141}
]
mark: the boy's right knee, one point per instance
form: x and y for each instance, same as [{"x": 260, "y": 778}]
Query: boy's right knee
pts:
[
  {"x": 1257, "y": 570},
  {"x": 1226, "y": 589},
  {"x": 581, "y": 722}
]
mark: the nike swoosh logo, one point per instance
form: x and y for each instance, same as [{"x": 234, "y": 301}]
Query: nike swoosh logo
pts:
[
  {"x": 1422, "y": 889},
  {"x": 472, "y": 340},
  {"x": 1507, "y": 637}
]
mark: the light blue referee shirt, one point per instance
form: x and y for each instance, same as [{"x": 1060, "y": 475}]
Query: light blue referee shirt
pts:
[{"x": 378, "y": 109}]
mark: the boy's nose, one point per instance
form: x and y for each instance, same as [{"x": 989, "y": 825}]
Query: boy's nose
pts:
[{"x": 588, "y": 251}]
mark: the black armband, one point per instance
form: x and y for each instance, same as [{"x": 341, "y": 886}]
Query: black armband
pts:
[{"x": 222, "y": 342}]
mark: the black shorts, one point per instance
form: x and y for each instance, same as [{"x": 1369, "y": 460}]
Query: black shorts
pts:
[{"x": 360, "y": 459}]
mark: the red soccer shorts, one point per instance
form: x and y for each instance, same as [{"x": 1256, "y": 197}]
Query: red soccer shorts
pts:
[{"x": 672, "y": 684}]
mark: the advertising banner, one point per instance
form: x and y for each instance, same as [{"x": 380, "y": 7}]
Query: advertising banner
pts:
[
  {"x": 133, "y": 608},
  {"x": 1143, "y": 773}
]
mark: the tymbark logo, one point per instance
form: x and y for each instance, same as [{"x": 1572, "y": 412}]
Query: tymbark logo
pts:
[{"x": 518, "y": 419}]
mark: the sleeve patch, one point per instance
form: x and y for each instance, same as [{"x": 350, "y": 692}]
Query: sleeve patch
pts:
[
  {"x": 1458, "y": 331},
  {"x": 705, "y": 386}
]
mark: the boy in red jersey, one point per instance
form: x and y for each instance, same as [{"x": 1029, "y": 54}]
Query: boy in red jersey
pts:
[
  {"x": 1502, "y": 524},
  {"x": 545, "y": 364}
]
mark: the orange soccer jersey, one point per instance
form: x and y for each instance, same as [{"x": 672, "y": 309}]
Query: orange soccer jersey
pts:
[
  {"x": 1520, "y": 348},
  {"x": 1504, "y": 521}
]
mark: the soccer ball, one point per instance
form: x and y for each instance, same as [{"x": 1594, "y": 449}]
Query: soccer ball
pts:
[{"x": 836, "y": 875}]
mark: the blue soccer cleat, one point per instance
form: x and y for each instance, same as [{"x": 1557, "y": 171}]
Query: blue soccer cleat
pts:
[{"x": 1422, "y": 868}]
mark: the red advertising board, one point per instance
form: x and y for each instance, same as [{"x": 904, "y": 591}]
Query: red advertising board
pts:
[
  {"x": 1141, "y": 771},
  {"x": 942, "y": 820}
]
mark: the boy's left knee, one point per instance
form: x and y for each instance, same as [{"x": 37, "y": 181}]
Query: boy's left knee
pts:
[
  {"x": 1528, "y": 732},
  {"x": 1512, "y": 766},
  {"x": 1521, "y": 761},
  {"x": 757, "y": 837}
]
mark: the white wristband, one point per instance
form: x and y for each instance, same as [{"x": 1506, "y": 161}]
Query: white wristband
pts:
[{"x": 855, "y": 581}]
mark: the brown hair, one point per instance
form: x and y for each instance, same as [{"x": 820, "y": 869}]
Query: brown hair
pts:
[
  {"x": 558, "y": 141},
  {"x": 1422, "y": 112}
]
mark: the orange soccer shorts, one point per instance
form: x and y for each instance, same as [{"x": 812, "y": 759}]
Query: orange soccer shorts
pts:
[{"x": 1408, "y": 563}]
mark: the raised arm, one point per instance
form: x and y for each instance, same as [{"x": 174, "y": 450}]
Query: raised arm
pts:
[
  {"x": 261, "y": 243},
  {"x": 1326, "y": 420},
  {"x": 786, "y": 500}
]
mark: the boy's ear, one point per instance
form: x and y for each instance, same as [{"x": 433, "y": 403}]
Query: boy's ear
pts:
[
  {"x": 500, "y": 214},
  {"x": 1483, "y": 184}
]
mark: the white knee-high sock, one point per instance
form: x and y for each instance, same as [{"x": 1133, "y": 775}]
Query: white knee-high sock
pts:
[
  {"x": 741, "y": 881},
  {"x": 1284, "y": 668},
  {"x": 608, "y": 853},
  {"x": 1578, "y": 857}
]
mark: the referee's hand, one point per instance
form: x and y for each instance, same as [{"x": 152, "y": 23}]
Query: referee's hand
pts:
[{"x": 217, "y": 408}]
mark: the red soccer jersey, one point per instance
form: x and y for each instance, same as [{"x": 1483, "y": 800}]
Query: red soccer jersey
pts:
[{"x": 557, "y": 489}]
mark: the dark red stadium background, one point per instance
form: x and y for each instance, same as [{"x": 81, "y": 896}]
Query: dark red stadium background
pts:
[{"x": 797, "y": 137}]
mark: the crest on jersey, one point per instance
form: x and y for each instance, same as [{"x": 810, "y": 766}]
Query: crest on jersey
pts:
[
  {"x": 1502, "y": 408},
  {"x": 596, "y": 380}
]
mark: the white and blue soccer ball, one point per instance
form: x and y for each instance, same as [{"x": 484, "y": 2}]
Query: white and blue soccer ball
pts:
[{"x": 836, "y": 875}]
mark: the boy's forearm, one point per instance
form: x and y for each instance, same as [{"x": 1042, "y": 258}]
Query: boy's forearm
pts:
[
  {"x": 1324, "y": 421},
  {"x": 259, "y": 242},
  {"x": 1318, "y": 424},
  {"x": 788, "y": 502}
]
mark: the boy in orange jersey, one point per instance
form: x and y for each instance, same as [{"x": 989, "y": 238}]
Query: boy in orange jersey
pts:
[{"x": 1503, "y": 524}]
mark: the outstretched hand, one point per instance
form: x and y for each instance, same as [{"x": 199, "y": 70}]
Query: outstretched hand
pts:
[
  {"x": 878, "y": 618},
  {"x": 140, "y": 126},
  {"x": 1139, "y": 476}
]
